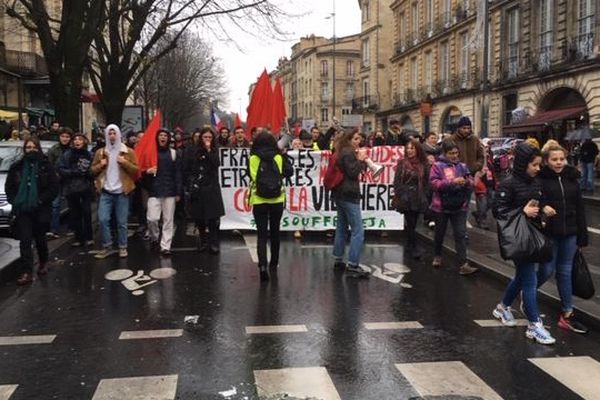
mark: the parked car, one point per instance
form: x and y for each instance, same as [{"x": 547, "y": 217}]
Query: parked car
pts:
[{"x": 10, "y": 152}]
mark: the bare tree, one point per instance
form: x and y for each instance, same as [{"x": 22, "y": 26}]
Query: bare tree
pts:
[
  {"x": 65, "y": 40},
  {"x": 181, "y": 81}
]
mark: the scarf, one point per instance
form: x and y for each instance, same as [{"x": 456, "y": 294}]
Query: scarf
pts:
[
  {"x": 27, "y": 197},
  {"x": 113, "y": 180}
]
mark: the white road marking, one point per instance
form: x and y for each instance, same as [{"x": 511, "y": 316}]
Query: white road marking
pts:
[
  {"x": 26, "y": 339},
  {"x": 373, "y": 326},
  {"x": 594, "y": 230},
  {"x": 6, "y": 391},
  {"x": 251, "y": 243},
  {"x": 580, "y": 374},
  {"x": 446, "y": 378},
  {"x": 330, "y": 246},
  {"x": 311, "y": 382},
  {"x": 494, "y": 323},
  {"x": 264, "y": 329},
  {"x": 151, "y": 334},
  {"x": 160, "y": 387}
]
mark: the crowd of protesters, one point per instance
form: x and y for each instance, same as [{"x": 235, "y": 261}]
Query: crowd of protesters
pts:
[{"x": 437, "y": 178}]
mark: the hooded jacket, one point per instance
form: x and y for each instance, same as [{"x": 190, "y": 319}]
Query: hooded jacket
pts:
[
  {"x": 127, "y": 170},
  {"x": 561, "y": 192},
  {"x": 441, "y": 177},
  {"x": 518, "y": 188},
  {"x": 471, "y": 151}
]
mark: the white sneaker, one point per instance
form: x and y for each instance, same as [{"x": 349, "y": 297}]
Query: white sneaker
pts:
[
  {"x": 539, "y": 333},
  {"x": 123, "y": 253},
  {"x": 505, "y": 315}
]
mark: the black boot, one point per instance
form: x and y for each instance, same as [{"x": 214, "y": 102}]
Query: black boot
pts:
[
  {"x": 201, "y": 242},
  {"x": 264, "y": 273}
]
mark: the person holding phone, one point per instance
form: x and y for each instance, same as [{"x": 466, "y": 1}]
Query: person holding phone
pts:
[
  {"x": 201, "y": 172},
  {"x": 522, "y": 190}
]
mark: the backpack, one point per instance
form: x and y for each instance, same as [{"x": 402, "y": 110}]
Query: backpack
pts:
[
  {"x": 269, "y": 181},
  {"x": 333, "y": 175}
]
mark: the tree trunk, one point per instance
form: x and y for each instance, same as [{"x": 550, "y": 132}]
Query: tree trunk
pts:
[
  {"x": 113, "y": 103},
  {"x": 65, "y": 89}
]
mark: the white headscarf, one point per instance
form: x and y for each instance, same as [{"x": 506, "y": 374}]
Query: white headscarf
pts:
[{"x": 113, "y": 184}]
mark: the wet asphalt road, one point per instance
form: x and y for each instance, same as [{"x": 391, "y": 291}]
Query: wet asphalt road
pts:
[{"x": 88, "y": 312}]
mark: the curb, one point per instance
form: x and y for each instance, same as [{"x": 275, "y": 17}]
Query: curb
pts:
[{"x": 505, "y": 273}]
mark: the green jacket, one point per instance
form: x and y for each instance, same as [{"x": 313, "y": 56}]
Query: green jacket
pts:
[{"x": 254, "y": 198}]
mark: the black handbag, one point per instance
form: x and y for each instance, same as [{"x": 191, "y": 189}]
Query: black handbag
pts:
[
  {"x": 583, "y": 285},
  {"x": 521, "y": 240}
]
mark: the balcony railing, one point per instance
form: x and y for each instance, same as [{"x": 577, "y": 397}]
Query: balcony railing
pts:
[
  {"x": 325, "y": 98},
  {"x": 365, "y": 103},
  {"x": 585, "y": 45},
  {"x": 26, "y": 63}
]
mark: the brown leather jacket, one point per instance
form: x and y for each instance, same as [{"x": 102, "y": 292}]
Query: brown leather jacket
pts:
[{"x": 127, "y": 170}]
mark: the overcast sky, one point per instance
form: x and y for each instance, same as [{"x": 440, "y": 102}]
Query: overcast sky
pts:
[{"x": 243, "y": 68}]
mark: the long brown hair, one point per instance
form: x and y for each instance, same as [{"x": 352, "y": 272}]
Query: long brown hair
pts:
[
  {"x": 421, "y": 156},
  {"x": 33, "y": 140},
  {"x": 344, "y": 140}
]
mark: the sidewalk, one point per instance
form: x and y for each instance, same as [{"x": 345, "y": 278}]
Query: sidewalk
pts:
[{"x": 484, "y": 253}]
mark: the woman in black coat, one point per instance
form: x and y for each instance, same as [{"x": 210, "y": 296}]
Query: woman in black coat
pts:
[
  {"x": 411, "y": 188},
  {"x": 201, "y": 174},
  {"x": 31, "y": 185},
  {"x": 78, "y": 187},
  {"x": 566, "y": 225}
]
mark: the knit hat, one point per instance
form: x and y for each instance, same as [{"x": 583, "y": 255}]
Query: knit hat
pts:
[
  {"x": 524, "y": 154},
  {"x": 464, "y": 121}
]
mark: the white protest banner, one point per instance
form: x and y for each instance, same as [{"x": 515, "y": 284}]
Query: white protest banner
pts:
[{"x": 309, "y": 205}]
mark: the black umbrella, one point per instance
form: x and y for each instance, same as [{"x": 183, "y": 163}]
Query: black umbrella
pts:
[{"x": 582, "y": 134}]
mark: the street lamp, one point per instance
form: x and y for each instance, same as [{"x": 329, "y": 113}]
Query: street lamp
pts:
[{"x": 332, "y": 17}]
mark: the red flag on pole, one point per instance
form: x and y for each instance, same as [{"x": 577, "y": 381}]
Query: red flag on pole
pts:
[
  {"x": 238, "y": 121},
  {"x": 259, "y": 110},
  {"x": 146, "y": 150},
  {"x": 278, "y": 113}
]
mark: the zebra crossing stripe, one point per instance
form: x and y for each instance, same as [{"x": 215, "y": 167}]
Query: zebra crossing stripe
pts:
[
  {"x": 26, "y": 339},
  {"x": 151, "y": 334},
  {"x": 373, "y": 326},
  {"x": 163, "y": 387},
  {"x": 310, "y": 382},
  {"x": 494, "y": 323},
  {"x": 580, "y": 374},
  {"x": 446, "y": 378},
  {"x": 6, "y": 391},
  {"x": 264, "y": 329}
]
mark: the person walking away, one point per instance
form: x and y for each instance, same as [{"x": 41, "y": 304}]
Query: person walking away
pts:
[
  {"x": 587, "y": 158},
  {"x": 54, "y": 156},
  {"x": 522, "y": 190},
  {"x": 267, "y": 168},
  {"x": 165, "y": 187},
  {"x": 77, "y": 186},
  {"x": 31, "y": 185},
  {"x": 451, "y": 183},
  {"x": 411, "y": 184},
  {"x": 114, "y": 167},
  {"x": 347, "y": 196},
  {"x": 469, "y": 146},
  {"x": 201, "y": 172},
  {"x": 565, "y": 224}
]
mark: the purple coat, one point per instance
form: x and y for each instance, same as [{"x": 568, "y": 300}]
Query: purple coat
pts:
[{"x": 442, "y": 173}]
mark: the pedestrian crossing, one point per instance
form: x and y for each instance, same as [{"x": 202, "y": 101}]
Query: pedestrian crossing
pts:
[
  {"x": 162, "y": 387},
  {"x": 580, "y": 374},
  {"x": 6, "y": 391}
]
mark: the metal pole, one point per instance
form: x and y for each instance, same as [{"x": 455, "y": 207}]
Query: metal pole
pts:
[
  {"x": 334, "y": 76},
  {"x": 484, "y": 78}
]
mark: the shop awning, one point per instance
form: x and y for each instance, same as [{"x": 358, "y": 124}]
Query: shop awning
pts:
[
  {"x": 39, "y": 112},
  {"x": 539, "y": 120},
  {"x": 9, "y": 115}
]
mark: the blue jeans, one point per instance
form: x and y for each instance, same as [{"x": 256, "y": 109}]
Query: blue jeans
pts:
[
  {"x": 348, "y": 214},
  {"x": 562, "y": 263},
  {"x": 587, "y": 176},
  {"x": 525, "y": 280},
  {"x": 106, "y": 204},
  {"x": 55, "y": 221}
]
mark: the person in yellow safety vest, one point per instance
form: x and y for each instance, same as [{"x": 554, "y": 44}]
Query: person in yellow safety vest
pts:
[
  {"x": 315, "y": 133},
  {"x": 307, "y": 140}
]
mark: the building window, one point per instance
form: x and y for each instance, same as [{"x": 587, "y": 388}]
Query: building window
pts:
[
  {"x": 429, "y": 71},
  {"x": 366, "y": 12},
  {"x": 414, "y": 20},
  {"x": 447, "y": 13},
  {"x": 444, "y": 68},
  {"x": 513, "y": 43},
  {"x": 324, "y": 91},
  {"x": 510, "y": 103},
  {"x": 402, "y": 30},
  {"x": 546, "y": 33},
  {"x": 324, "y": 115},
  {"x": 585, "y": 38},
  {"x": 414, "y": 78},
  {"x": 349, "y": 91},
  {"x": 349, "y": 68},
  {"x": 464, "y": 59},
  {"x": 366, "y": 93},
  {"x": 366, "y": 54},
  {"x": 429, "y": 10},
  {"x": 324, "y": 68},
  {"x": 346, "y": 110}
]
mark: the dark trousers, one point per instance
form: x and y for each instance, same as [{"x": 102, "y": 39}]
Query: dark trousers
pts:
[
  {"x": 268, "y": 218},
  {"x": 459, "y": 229},
  {"x": 31, "y": 229},
  {"x": 410, "y": 226},
  {"x": 80, "y": 213},
  {"x": 213, "y": 231}
]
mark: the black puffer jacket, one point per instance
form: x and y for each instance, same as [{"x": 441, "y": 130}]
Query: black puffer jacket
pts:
[
  {"x": 201, "y": 171},
  {"x": 518, "y": 188},
  {"x": 47, "y": 185},
  {"x": 561, "y": 192},
  {"x": 349, "y": 189}
]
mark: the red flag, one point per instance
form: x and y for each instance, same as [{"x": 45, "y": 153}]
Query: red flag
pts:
[
  {"x": 259, "y": 110},
  {"x": 278, "y": 108},
  {"x": 238, "y": 121},
  {"x": 146, "y": 150}
]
